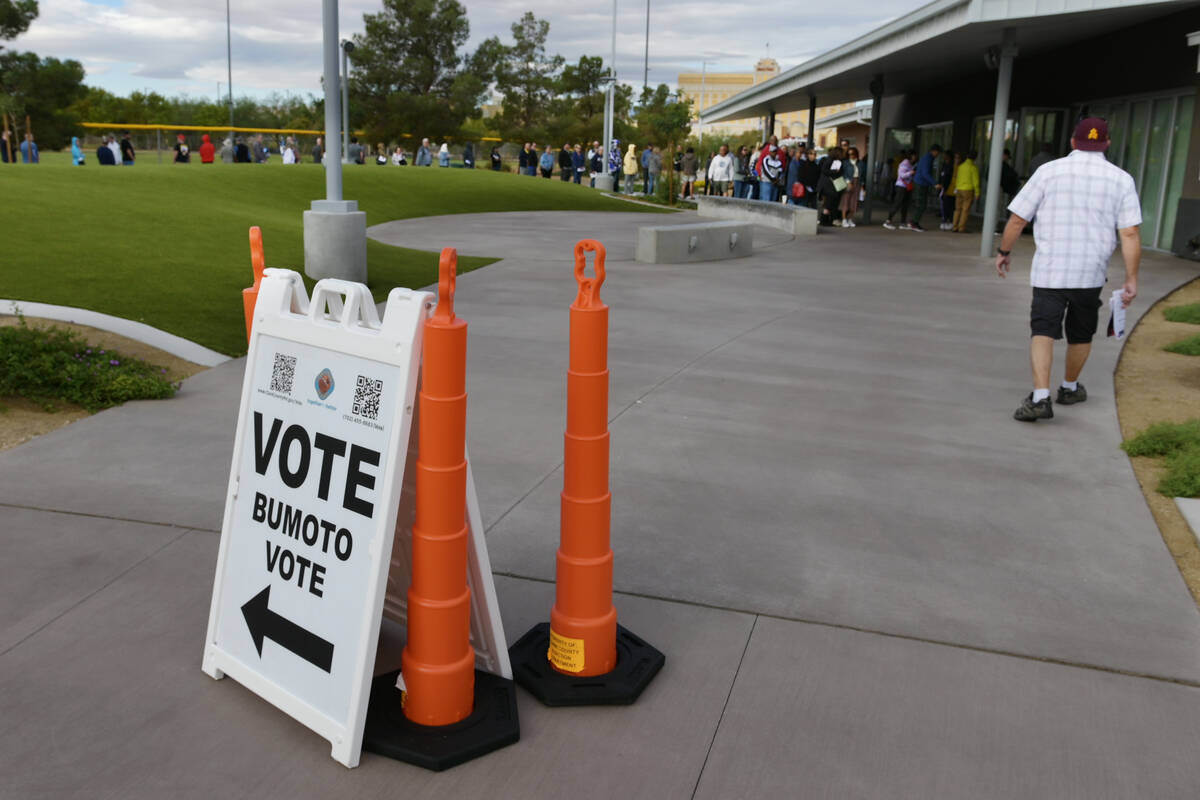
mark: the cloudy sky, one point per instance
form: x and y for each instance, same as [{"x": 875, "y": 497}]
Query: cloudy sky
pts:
[{"x": 178, "y": 46}]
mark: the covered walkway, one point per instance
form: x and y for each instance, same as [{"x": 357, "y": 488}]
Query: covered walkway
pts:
[{"x": 953, "y": 72}]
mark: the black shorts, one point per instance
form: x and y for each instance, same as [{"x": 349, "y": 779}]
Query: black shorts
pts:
[{"x": 1081, "y": 307}]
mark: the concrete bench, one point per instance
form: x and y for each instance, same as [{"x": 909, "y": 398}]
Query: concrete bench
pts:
[
  {"x": 698, "y": 241},
  {"x": 796, "y": 220}
]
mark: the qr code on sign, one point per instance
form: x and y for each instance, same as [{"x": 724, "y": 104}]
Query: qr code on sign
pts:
[
  {"x": 283, "y": 373},
  {"x": 367, "y": 392}
]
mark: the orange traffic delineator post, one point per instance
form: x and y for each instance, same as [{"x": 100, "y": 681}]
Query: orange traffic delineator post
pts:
[
  {"x": 258, "y": 264},
  {"x": 447, "y": 712},
  {"x": 583, "y": 657}
]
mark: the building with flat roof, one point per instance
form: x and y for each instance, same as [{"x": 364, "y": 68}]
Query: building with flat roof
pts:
[
  {"x": 706, "y": 89},
  {"x": 956, "y": 71}
]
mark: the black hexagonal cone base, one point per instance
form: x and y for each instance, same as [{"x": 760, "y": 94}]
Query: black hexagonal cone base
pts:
[
  {"x": 491, "y": 725},
  {"x": 637, "y": 664}
]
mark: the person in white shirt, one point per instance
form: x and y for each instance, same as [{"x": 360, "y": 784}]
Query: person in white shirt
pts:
[
  {"x": 720, "y": 171},
  {"x": 289, "y": 151},
  {"x": 1080, "y": 204}
]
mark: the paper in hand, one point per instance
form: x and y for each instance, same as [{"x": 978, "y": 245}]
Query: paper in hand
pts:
[{"x": 1116, "y": 322}]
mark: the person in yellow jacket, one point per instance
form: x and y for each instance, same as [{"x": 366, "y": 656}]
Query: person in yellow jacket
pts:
[
  {"x": 630, "y": 168},
  {"x": 966, "y": 189}
]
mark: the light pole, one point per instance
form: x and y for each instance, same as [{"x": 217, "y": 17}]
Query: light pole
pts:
[
  {"x": 347, "y": 49},
  {"x": 604, "y": 181},
  {"x": 700, "y": 111},
  {"x": 335, "y": 231},
  {"x": 646, "y": 63},
  {"x": 229, "y": 65}
]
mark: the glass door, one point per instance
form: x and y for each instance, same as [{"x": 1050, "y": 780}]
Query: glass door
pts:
[
  {"x": 981, "y": 143},
  {"x": 1041, "y": 128}
]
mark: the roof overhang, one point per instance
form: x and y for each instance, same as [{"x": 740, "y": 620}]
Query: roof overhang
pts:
[{"x": 945, "y": 37}]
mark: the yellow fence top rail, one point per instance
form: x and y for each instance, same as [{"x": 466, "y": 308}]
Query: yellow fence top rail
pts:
[{"x": 138, "y": 126}]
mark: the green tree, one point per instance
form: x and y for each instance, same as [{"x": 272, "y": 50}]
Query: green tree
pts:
[
  {"x": 44, "y": 90},
  {"x": 410, "y": 75},
  {"x": 662, "y": 119},
  {"x": 16, "y": 16},
  {"x": 526, "y": 76}
]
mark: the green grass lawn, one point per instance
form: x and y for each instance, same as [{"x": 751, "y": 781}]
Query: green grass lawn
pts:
[
  {"x": 1188, "y": 313},
  {"x": 167, "y": 244},
  {"x": 1179, "y": 444}
]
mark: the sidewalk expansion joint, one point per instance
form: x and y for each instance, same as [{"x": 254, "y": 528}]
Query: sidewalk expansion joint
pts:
[
  {"x": 729, "y": 694},
  {"x": 1062, "y": 662},
  {"x": 182, "y": 532},
  {"x": 110, "y": 517}
]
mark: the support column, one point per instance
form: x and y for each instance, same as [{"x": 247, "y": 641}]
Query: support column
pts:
[
  {"x": 335, "y": 231},
  {"x": 991, "y": 210},
  {"x": 770, "y": 124},
  {"x": 874, "y": 146},
  {"x": 812, "y": 120}
]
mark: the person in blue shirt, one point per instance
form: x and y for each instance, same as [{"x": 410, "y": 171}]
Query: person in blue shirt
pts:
[
  {"x": 76, "y": 152},
  {"x": 924, "y": 184},
  {"x": 645, "y": 162},
  {"x": 29, "y": 150},
  {"x": 547, "y": 163}
]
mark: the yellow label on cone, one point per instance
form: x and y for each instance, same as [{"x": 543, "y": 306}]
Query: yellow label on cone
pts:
[{"x": 565, "y": 653}]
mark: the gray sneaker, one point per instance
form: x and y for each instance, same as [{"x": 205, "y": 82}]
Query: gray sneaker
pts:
[
  {"x": 1068, "y": 398},
  {"x": 1030, "y": 411}
]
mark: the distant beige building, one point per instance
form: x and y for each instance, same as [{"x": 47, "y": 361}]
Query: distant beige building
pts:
[{"x": 706, "y": 89}]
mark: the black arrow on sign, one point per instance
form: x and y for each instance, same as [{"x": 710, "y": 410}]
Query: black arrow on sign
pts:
[{"x": 263, "y": 622}]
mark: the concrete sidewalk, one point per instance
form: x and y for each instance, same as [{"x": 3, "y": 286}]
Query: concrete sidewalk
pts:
[{"x": 869, "y": 581}]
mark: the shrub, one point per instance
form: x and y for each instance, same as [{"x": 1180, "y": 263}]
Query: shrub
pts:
[
  {"x": 1187, "y": 347},
  {"x": 1179, "y": 442},
  {"x": 1189, "y": 314},
  {"x": 1164, "y": 438},
  {"x": 48, "y": 365}
]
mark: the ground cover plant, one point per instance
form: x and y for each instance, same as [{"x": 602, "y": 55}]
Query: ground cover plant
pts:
[
  {"x": 54, "y": 365},
  {"x": 1189, "y": 313},
  {"x": 167, "y": 244},
  {"x": 1187, "y": 347},
  {"x": 1179, "y": 444}
]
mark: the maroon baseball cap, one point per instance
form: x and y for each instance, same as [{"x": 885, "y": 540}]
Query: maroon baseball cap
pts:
[{"x": 1091, "y": 134}]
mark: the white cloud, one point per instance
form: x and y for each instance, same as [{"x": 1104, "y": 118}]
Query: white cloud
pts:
[{"x": 168, "y": 44}]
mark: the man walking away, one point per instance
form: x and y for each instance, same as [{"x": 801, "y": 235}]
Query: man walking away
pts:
[
  {"x": 966, "y": 189},
  {"x": 925, "y": 183},
  {"x": 566, "y": 165},
  {"x": 318, "y": 151},
  {"x": 1080, "y": 203}
]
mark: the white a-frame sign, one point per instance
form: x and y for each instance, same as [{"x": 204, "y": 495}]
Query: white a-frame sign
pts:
[{"x": 316, "y": 534}]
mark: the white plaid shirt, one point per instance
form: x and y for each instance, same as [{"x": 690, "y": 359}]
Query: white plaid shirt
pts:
[{"x": 1078, "y": 202}]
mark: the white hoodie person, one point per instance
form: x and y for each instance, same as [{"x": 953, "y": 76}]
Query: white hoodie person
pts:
[{"x": 720, "y": 168}]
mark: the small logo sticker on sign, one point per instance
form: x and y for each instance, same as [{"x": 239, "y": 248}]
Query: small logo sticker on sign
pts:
[
  {"x": 565, "y": 653},
  {"x": 324, "y": 383}
]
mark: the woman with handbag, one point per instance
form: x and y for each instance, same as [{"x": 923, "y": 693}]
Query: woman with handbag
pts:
[
  {"x": 833, "y": 183},
  {"x": 853, "y": 175}
]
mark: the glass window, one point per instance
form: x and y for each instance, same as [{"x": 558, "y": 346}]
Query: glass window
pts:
[
  {"x": 1154, "y": 169},
  {"x": 1135, "y": 141},
  {"x": 1179, "y": 148}
]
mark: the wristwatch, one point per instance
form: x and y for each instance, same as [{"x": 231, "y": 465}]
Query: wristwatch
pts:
[{"x": 1005, "y": 253}]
